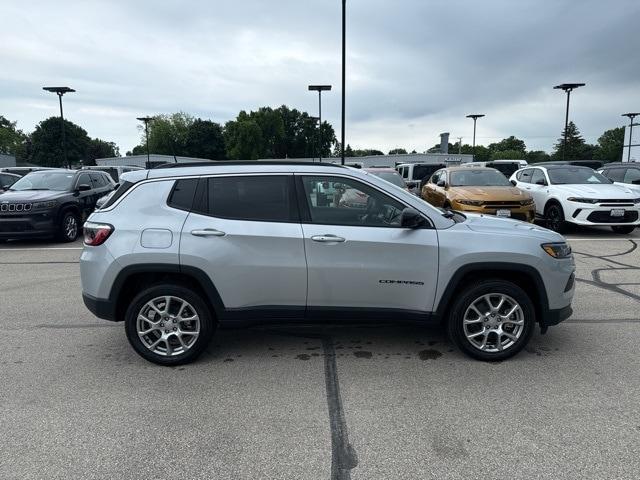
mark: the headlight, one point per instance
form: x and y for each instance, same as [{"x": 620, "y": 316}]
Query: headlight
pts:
[
  {"x": 557, "y": 250},
  {"x": 44, "y": 205},
  {"x": 583, "y": 200},
  {"x": 528, "y": 201},
  {"x": 475, "y": 203}
]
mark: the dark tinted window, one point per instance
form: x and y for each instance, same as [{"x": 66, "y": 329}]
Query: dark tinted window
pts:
[
  {"x": 632, "y": 176},
  {"x": 525, "y": 175},
  {"x": 614, "y": 174},
  {"x": 538, "y": 176},
  {"x": 423, "y": 171},
  {"x": 182, "y": 194},
  {"x": 258, "y": 198},
  {"x": 96, "y": 180},
  {"x": 84, "y": 179}
]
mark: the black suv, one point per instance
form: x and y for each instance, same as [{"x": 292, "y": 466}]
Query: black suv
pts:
[{"x": 51, "y": 203}]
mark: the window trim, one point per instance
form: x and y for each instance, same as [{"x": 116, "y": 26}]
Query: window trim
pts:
[{"x": 305, "y": 211}]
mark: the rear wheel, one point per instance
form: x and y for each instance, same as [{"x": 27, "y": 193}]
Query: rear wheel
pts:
[
  {"x": 69, "y": 227},
  {"x": 492, "y": 320},
  {"x": 555, "y": 218},
  {"x": 624, "y": 229},
  {"x": 169, "y": 325}
]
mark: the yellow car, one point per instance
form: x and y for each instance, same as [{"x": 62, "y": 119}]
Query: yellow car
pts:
[{"x": 478, "y": 190}]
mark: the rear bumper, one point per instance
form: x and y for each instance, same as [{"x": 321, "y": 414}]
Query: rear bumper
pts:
[{"x": 100, "y": 307}]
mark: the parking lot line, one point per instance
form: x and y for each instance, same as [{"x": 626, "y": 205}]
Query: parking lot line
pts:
[{"x": 38, "y": 249}]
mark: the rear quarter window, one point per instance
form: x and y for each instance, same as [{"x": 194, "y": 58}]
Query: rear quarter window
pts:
[{"x": 181, "y": 196}]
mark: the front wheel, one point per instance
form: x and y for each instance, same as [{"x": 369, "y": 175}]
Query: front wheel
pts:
[
  {"x": 555, "y": 218},
  {"x": 169, "y": 325},
  {"x": 69, "y": 227},
  {"x": 623, "y": 229},
  {"x": 492, "y": 320}
]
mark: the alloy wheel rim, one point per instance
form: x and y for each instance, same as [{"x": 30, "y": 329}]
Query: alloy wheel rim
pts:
[
  {"x": 493, "y": 322},
  {"x": 554, "y": 216},
  {"x": 168, "y": 326},
  {"x": 71, "y": 227}
]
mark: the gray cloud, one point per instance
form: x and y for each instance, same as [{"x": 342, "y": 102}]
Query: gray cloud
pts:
[{"x": 415, "y": 68}]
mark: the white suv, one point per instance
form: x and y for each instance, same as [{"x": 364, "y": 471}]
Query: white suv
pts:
[
  {"x": 177, "y": 251},
  {"x": 571, "y": 194}
]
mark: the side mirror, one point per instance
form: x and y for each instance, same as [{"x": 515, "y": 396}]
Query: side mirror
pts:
[
  {"x": 411, "y": 218},
  {"x": 442, "y": 183},
  {"x": 83, "y": 187},
  {"x": 513, "y": 182}
]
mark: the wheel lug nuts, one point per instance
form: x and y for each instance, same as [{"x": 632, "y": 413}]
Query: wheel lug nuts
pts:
[
  {"x": 175, "y": 328},
  {"x": 175, "y": 321},
  {"x": 162, "y": 324},
  {"x": 166, "y": 331}
]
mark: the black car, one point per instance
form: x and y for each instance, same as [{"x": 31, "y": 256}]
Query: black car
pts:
[
  {"x": 7, "y": 179},
  {"x": 51, "y": 203}
]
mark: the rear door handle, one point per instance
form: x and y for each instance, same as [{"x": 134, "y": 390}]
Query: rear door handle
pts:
[
  {"x": 207, "y": 232},
  {"x": 327, "y": 238}
]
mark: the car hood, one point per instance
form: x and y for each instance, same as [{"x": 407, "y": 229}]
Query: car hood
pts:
[
  {"x": 505, "y": 193},
  {"x": 600, "y": 191},
  {"x": 30, "y": 195},
  {"x": 497, "y": 225}
]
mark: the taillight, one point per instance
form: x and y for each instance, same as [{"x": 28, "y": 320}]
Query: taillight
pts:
[{"x": 96, "y": 233}]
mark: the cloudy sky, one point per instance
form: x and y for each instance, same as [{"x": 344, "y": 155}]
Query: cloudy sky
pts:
[{"x": 415, "y": 68}]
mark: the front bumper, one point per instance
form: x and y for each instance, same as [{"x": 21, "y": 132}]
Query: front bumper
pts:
[
  {"x": 554, "y": 317},
  {"x": 526, "y": 213},
  {"x": 588, "y": 214},
  {"x": 29, "y": 225}
]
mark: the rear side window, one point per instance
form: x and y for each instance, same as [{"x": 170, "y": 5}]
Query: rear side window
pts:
[
  {"x": 181, "y": 196},
  {"x": 255, "y": 198}
]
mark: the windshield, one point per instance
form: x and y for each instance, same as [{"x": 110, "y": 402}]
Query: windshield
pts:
[
  {"x": 478, "y": 178},
  {"x": 391, "y": 177},
  {"x": 575, "y": 176},
  {"x": 59, "y": 181}
]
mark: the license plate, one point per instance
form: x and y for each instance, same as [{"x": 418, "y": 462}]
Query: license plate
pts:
[
  {"x": 503, "y": 213},
  {"x": 617, "y": 212}
]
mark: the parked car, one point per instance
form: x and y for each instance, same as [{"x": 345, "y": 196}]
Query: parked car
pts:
[
  {"x": 595, "y": 164},
  {"x": 22, "y": 171},
  {"x": 626, "y": 174},
  {"x": 7, "y": 179},
  {"x": 566, "y": 194},
  {"x": 416, "y": 174},
  {"x": 478, "y": 190},
  {"x": 353, "y": 198},
  {"x": 243, "y": 243},
  {"x": 114, "y": 171},
  {"x": 51, "y": 203}
]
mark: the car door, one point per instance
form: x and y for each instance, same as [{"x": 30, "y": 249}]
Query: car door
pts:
[
  {"x": 430, "y": 191},
  {"x": 244, "y": 233},
  {"x": 360, "y": 257},
  {"x": 85, "y": 197},
  {"x": 539, "y": 189}
]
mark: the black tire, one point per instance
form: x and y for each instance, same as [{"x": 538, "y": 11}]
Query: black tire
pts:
[
  {"x": 554, "y": 215},
  {"x": 623, "y": 229},
  {"x": 195, "y": 301},
  {"x": 470, "y": 294},
  {"x": 69, "y": 227}
]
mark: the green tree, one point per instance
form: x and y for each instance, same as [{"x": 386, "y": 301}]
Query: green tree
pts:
[
  {"x": 100, "y": 149},
  {"x": 508, "y": 155},
  {"x": 398, "y": 151},
  {"x": 11, "y": 139},
  {"x": 509, "y": 144},
  {"x": 243, "y": 138},
  {"x": 610, "y": 145},
  {"x": 168, "y": 134},
  {"x": 46, "y": 143},
  {"x": 536, "y": 156},
  {"x": 205, "y": 139},
  {"x": 576, "y": 147}
]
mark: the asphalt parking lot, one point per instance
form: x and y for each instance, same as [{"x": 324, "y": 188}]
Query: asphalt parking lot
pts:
[{"x": 369, "y": 402}]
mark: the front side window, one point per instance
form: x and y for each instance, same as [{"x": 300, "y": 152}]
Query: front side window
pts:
[
  {"x": 525, "y": 175},
  {"x": 614, "y": 174},
  {"x": 632, "y": 176},
  {"x": 538, "y": 177},
  {"x": 343, "y": 201},
  {"x": 266, "y": 198},
  {"x": 43, "y": 180}
]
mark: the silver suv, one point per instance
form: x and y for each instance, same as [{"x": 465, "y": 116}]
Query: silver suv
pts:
[{"x": 176, "y": 252}]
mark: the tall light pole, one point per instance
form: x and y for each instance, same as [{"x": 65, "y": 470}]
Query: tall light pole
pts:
[
  {"x": 146, "y": 121},
  {"x": 344, "y": 49},
  {"x": 475, "y": 117},
  {"x": 631, "y": 117},
  {"x": 313, "y": 121},
  {"x": 459, "y": 145},
  {"x": 567, "y": 87},
  {"x": 320, "y": 89},
  {"x": 60, "y": 91}
]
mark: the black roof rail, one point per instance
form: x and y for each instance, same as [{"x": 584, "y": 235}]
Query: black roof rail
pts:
[{"x": 222, "y": 163}]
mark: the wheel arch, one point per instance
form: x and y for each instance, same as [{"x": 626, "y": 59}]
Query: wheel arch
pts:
[{"x": 525, "y": 276}]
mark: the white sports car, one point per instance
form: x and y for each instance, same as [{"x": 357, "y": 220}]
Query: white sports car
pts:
[{"x": 571, "y": 194}]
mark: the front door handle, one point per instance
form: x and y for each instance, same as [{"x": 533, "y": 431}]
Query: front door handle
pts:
[
  {"x": 207, "y": 232},
  {"x": 328, "y": 238}
]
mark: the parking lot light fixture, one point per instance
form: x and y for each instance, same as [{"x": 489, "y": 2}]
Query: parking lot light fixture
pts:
[
  {"x": 60, "y": 91},
  {"x": 567, "y": 87},
  {"x": 146, "y": 121},
  {"x": 631, "y": 116},
  {"x": 475, "y": 117},
  {"x": 320, "y": 89}
]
